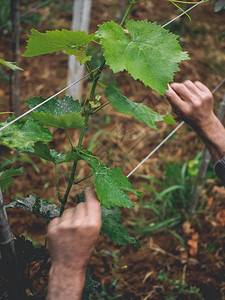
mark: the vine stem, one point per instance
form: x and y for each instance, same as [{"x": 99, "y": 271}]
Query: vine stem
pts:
[
  {"x": 71, "y": 180},
  {"x": 57, "y": 183},
  {"x": 131, "y": 4},
  {"x": 87, "y": 114},
  {"x": 79, "y": 146}
]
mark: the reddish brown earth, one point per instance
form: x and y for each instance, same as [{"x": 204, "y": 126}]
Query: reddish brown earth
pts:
[{"x": 125, "y": 142}]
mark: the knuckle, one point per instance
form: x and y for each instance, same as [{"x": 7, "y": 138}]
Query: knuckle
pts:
[{"x": 187, "y": 82}]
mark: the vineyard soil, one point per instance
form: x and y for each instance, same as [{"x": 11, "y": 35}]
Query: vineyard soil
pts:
[{"x": 124, "y": 142}]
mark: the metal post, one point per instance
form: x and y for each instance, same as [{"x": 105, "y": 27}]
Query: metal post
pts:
[
  {"x": 16, "y": 290},
  {"x": 81, "y": 20},
  {"x": 14, "y": 75}
]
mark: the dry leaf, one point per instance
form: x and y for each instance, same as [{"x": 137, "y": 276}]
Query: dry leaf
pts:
[
  {"x": 193, "y": 247},
  {"x": 221, "y": 217},
  {"x": 186, "y": 227},
  {"x": 210, "y": 201}
]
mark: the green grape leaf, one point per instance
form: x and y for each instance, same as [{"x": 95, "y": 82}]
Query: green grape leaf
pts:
[
  {"x": 111, "y": 226},
  {"x": 10, "y": 65},
  {"x": 110, "y": 184},
  {"x": 40, "y": 208},
  {"x": 6, "y": 177},
  {"x": 23, "y": 134},
  {"x": 41, "y": 150},
  {"x": 144, "y": 49},
  {"x": 72, "y": 42},
  {"x": 60, "y": 113},
  {"x": 139, "y": 111}
]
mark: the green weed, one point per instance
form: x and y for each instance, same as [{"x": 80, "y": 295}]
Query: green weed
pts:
[
  {"x": 172, "y": 198},
  {"x": 178, "y": 287}
]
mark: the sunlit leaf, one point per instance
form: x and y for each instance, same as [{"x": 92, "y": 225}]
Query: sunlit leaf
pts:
[
  {"x": 23, "y": 134},
  {"x": 146, "y": 50},
  {"x": 72, "y": 42}
]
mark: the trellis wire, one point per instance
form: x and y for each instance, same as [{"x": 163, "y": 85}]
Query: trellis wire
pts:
[
  {"x": 2, "y": 128},
  {"x": 184, "y": 13},
  {"x": 40, "y": 104},
  {"x": 172, "y": 133}
]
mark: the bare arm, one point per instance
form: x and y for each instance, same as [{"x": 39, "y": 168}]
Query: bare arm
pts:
[
  {"x": 71, "y": 241},
  {"x": 194, "y": 103}
]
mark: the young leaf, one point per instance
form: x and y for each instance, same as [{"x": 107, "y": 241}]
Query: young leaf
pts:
[
  {"x": 72, "y": 42},
  {"x": 6, "y": 177},
  {"x": 23, "y": 134},
  {"x": 10, "y": 65},
  {"x": 146, "y": 50},
  {"x": 139, "y": 111},
  {"x": 42, "y": 150},
  {"x": 60, "y": 113},
  {"x": 110, "y": 184},
  {"x": 111, "y": 226},
  {"x": 40, "y": 208}
]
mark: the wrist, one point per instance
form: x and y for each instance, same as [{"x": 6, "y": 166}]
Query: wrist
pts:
[
  {"x": 69, "y": 271},
  {"x": 65, "y": 283},
  {"x": 213, "y": 134}
]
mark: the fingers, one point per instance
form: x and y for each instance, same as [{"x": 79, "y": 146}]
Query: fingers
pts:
[
  {"x": 88, "y": 212},
  {"x": 201, "y": 86},
  {"x": 93, "y": 207},
  {"x": 53, "y": 224},
  {"x": 173, "y": 98},
  {"x": 182, "y": 90},
  {"x": 192, "y": 87}
]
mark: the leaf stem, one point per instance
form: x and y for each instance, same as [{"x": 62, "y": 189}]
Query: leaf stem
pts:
[
  {"x": 69, "y": 139},
  {"x": 83, "y": 179},
  {"x": 99, "y": 108}
]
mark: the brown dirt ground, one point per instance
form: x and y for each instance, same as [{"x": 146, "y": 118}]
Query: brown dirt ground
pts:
[{"x": 125, "y": 142}]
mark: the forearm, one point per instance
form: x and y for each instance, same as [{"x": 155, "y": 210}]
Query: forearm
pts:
[
  {"x": 65, "y": 284},
  {"x": 214, "y": 137}
]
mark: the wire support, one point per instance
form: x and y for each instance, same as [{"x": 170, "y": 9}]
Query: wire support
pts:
[
  {"x": 184, "y": 13},
  {"x": 2, "y": 128},
  {"x": 32, "y": 109},
  {"x": 169, "y": 136}
]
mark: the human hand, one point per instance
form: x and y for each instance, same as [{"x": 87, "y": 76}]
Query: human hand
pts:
[
  {"x": 71, "y": 240},
  {"x": 72, "y": 237},
  {"x": 194, "y": 103}
]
